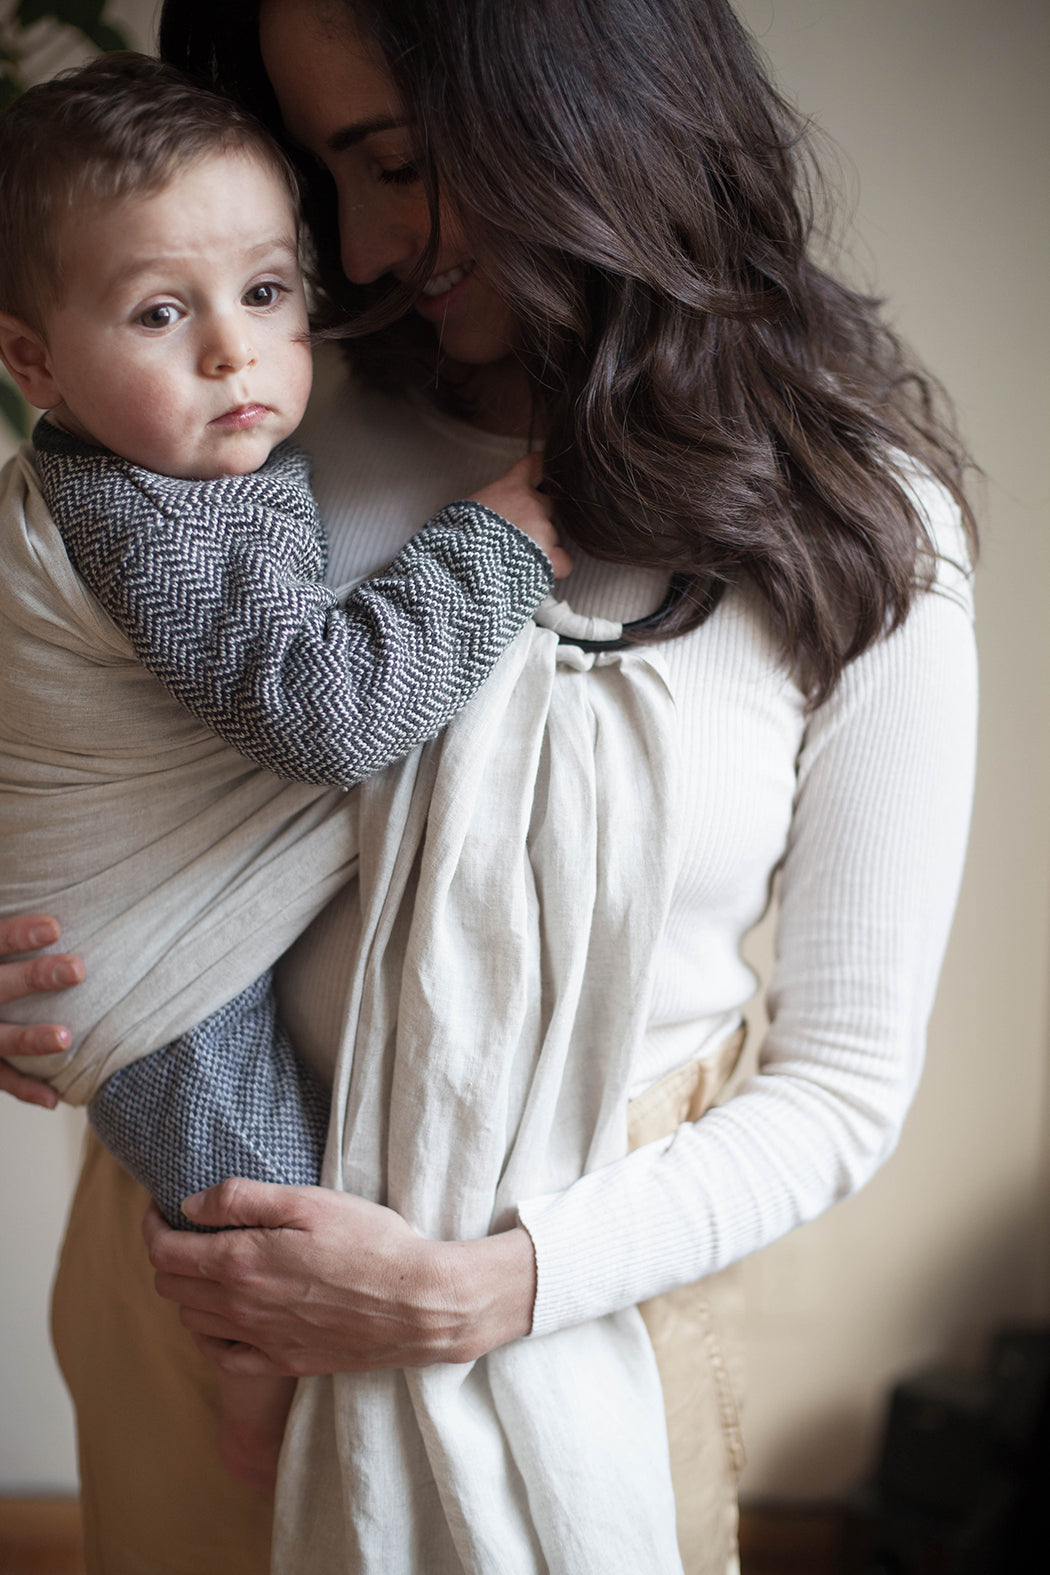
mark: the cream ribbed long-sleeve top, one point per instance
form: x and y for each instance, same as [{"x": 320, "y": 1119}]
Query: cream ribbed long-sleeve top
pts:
[{"x": 862, "y": 807}]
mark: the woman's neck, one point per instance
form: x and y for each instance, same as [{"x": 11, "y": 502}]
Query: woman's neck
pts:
[{"x": 495, "y": 398}]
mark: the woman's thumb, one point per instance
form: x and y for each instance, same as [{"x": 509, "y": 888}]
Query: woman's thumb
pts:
[{"x": 240, "y": 1203}]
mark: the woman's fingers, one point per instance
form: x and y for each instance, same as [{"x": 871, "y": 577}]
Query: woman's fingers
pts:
[
  {"x": 31, "y": 976},
  {"x": 214, "y": 1325},
  {"x": 28, "y": 932},
  {"x": 330, "y": 1279},
  {"x": 233, "y": 1356},
  {"x": 37, "y": 974},
  {"x": 247, "y": 1204},
  {"x": 182, "y": 1256},
  {"x": 28, "y": 1089},
  {"x": 189, "y": 1291}
]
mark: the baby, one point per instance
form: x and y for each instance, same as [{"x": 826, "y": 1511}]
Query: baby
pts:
[{"x": 151, "y": 302}]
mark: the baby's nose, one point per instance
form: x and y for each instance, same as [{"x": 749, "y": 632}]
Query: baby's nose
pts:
[{"x": 227, "y": 349}]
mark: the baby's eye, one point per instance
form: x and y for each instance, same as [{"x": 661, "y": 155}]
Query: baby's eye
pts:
[
  {"x": 161, "y": 316},
  {"x": 263, "y": 294}
]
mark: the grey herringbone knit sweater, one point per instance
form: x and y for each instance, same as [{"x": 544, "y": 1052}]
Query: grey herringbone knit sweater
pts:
[{"x": 217, "y": 586}]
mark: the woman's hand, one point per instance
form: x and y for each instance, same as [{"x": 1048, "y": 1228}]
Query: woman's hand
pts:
[
  {"x": 28, "y": 933},
  {"x": 323, "y": 1282}
]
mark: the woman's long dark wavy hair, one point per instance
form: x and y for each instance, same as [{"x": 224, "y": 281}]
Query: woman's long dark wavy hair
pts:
[{"x": 714, "y": 402}]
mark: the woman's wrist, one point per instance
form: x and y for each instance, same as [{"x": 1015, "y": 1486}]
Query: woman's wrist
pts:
[{"x": 493, "y": 1281}]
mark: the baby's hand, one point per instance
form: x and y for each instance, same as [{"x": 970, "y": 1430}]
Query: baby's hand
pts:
[{"x": 515, "y": 497}]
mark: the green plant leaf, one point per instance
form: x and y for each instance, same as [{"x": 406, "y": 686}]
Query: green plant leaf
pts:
[
  {"x": 29, "y": 11},
  {"x": 71, "y": 12},
  {"x": 84, "y": 15},
  {"x": 14, "y": 409}
]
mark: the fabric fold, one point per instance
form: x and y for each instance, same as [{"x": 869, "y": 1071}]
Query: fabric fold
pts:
[
  {"x": 178, "y": 870},
  {"x": 514, "y": 882}
]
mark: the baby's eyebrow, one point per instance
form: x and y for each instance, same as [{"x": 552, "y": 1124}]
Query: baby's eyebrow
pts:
[
  {"x": 136, "y": 266},
  {"x": 276, "y": 243}
]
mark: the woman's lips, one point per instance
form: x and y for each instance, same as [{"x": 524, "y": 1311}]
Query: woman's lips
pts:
[
  {"x": 441, "y": 283},
  {"x": 438, "y": 293},
  {"x": 242, "y": 416}
]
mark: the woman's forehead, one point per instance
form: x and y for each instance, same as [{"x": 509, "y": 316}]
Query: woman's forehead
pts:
[
  {"x": 329, "y": 19},
  {"x": 328, "y": 79}
]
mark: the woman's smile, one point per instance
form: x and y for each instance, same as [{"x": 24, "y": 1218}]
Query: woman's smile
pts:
[
  {"x": 338, "y": 102},
  {"x": 440, "y": 284}
]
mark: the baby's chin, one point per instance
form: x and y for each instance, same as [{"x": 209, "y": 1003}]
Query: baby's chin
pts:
[{"x": 232, "y": 460}]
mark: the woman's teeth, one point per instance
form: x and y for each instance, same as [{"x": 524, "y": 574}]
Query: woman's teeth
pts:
[{"x": 441, "y": 282}]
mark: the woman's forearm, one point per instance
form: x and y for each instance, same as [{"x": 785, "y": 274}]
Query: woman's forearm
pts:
[{"x": 496, "y": 1277}]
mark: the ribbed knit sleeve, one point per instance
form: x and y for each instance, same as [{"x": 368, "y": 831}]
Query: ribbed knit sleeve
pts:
[
  {"x": 218, "y": 587},
  {"x": 868, "y": 886}
]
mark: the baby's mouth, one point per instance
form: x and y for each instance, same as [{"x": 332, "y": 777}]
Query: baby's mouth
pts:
[
  {"x": 441, "y": 283},
  {"x": 241, "y": 416}
]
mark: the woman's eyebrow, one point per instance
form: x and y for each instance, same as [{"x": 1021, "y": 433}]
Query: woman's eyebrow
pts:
[{"x": 350, "y": 135}]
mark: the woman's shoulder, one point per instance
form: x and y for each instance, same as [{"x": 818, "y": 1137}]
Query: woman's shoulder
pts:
[{"x": 948, "y": 553}]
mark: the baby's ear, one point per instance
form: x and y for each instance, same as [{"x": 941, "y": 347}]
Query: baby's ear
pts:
[{"x": 26, "y": 358}]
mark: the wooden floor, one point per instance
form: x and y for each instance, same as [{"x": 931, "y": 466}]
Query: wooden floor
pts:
[
  {"x": 776, "y": 1540},
  {"x": 41, "y": 1536}
]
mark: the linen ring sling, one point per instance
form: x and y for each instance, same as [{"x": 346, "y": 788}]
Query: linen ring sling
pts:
[
  {"x": 514, "y": 878},
  {"x": 217, "y": 585}
]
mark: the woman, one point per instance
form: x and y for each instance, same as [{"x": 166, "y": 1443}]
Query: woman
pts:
[{"x": 588, "y": 225}]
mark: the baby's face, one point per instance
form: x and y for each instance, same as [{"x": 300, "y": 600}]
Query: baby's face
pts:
[{"x": 180, "y": 341}]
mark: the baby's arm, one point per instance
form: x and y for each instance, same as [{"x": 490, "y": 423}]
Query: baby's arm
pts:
[{"x": 217, "y": 587}]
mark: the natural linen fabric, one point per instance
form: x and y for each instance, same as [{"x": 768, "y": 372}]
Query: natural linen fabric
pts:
[
  {"x": 184, "y": 870},
  {"x": 514, "y": 881}
]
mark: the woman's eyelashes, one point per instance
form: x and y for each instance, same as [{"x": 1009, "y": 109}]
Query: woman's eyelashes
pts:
[{"x": 400, "y": 175}]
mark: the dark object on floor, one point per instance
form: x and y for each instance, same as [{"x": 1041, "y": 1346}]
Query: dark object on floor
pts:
[{"x": 962, "y": 1485}]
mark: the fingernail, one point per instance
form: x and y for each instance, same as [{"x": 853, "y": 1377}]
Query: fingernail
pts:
[
  {"x": 192, "y": 1204},
  {"x": 55, "y": 1039},
  {"x": 42, "y": 935},
  {"x": 65, "y": 973}
]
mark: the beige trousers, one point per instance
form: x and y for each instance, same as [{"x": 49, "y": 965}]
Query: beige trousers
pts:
[
  {"x": 156, "y": 1498},
  {"x": 696, "y": 1338}
]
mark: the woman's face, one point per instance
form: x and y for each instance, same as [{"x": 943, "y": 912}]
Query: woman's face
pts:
[{"x": 338, "y": 102}]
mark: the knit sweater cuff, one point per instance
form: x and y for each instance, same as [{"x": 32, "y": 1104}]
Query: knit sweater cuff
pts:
[{"x": 606, "y": 1243}]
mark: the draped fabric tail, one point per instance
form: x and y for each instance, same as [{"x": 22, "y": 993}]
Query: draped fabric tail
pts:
[{"x": 514, "y": 882}]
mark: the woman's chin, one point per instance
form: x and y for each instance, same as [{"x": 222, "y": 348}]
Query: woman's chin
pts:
[{"x": 473, "y": 325}]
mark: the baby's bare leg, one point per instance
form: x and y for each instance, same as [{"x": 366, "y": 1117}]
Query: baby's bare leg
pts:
[{"x": 254, "y": 1411}]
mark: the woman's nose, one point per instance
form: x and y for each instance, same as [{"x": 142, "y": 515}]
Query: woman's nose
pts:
[{"x": 372, "y": 243}]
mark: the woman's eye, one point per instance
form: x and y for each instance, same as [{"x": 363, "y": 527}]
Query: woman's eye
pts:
[
  {"x": 400, "y": 175},
  {"x": 263, "y": 295},
  {"x": 162, "y": 316}
]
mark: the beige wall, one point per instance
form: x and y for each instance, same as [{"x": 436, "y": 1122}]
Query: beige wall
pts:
[
  {"x": 939, "y": 108},
  {"x": 936, "y": 105}
]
